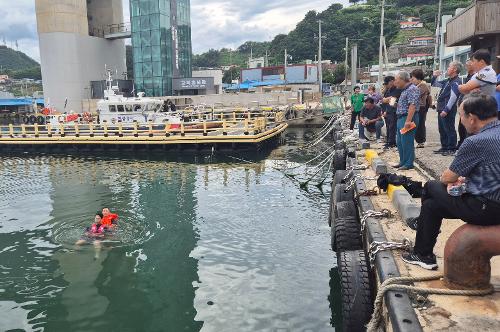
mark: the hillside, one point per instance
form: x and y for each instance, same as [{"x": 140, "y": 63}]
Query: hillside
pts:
[
  {"x": 358, "y": 22},
  {"x": 16, "y": 64}
]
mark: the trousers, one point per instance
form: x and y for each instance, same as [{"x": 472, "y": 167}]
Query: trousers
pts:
[
  {"x": 437, "y": 205},
  {"x": 406, "y": 146},
  {"x": 378, "y": 129},
  {"x": 421, "y": 134},
  {"x": 390, "y": 122},
  {"x": 447, "y": 132}
]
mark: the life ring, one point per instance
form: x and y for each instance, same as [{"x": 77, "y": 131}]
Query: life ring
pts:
[{"x": 356, "y": 290}]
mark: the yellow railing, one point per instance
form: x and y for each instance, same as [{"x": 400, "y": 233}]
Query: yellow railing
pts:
[{"x": 226, "y": 126}]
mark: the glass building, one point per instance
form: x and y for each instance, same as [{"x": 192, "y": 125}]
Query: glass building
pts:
[{"x": 161, "y": 41}]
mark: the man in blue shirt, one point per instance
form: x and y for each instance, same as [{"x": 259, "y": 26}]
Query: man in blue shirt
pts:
[
  {"x": 407, "y": 120},
  {"x": 447, "y": 107},
  {"x": 477, "y": 165}
]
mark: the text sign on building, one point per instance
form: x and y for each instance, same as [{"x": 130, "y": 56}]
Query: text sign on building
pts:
[{"x": 193, "y": 83}]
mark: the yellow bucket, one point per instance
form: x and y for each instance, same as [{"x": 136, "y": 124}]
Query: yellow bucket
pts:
[{"x": 370, "y": 155}]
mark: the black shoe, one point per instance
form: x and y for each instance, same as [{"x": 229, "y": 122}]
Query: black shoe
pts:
[
  {"x": 448, "y": 153},
  {"x": 396, "y": 166},
  {"x": 427, "y": 262},
  {"x": 412, "y": 223},
  {"x": 404, "y": 168},
  {"x": 439, "y": 151}
]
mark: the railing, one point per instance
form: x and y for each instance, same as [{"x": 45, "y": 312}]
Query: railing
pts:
[
  {"x": 223, "y": 128},
  {"x": 102, "y": 32}
]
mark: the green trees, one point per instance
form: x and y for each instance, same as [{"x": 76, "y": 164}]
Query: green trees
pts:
[{"x": 232, "y": 74}]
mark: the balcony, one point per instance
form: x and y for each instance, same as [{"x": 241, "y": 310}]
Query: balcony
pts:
[{"x": 478, "y": 20}]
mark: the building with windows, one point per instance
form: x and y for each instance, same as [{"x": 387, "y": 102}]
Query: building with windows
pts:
[{"x": 161, "y": 41}]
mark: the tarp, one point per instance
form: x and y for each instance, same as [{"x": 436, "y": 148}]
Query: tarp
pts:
[
  {"x": 333, "y": 104},
  {"x": 19, "y": 101},
  {"x": 252, "y": 84}
]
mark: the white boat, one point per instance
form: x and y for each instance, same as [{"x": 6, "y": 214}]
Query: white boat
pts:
[{"x": 116, "y": 108}]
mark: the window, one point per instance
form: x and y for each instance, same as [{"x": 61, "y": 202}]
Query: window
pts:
[
  {"x": 112, "y": 108},
  {"x": 137, "y": 108},
  {"x": 128, "y": 108},
  {"x": 121, "y": 109}
]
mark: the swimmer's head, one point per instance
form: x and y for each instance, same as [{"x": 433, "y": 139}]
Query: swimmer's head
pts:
[
  {"x": 105, "y": 211},
  {"x": 98, "y": 217}
]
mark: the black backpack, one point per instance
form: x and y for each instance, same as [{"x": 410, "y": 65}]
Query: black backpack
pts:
[{"x": 414, "y": 188}]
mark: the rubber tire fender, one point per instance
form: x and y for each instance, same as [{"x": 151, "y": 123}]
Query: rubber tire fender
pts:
[
  {"x": 340, "y": 160},
  {"x": 338, "y": 136},
  {"x": 32, "y": 119},
  {"x": 356, "y": 290},
  {"x": 338, "y": 195},
  {"x": 341, "y": 210},
  {"x": 26, "y": 119},
  {"x": 346, "y": 234},
  {"x": 339, "y": 176},
  {"x": 40, "y": 120}
]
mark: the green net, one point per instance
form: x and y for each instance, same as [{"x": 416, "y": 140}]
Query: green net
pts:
[{"x": 333, "y": 104}]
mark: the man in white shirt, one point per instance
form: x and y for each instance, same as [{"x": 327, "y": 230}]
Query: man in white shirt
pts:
[{"x": 485, "y": 78}]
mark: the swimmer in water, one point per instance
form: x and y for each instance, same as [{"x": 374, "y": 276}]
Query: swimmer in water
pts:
[
  {"x": 95, "y": 233},
  {"x": 109, "y": 219}
]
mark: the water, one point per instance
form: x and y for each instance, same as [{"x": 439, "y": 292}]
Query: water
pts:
[{"x": 206, "y": 242}]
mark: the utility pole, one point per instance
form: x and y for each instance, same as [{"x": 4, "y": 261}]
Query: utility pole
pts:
[
  {"x": 346, "y": 59},
  {"x": 438, "y": 38},
  {"x": 354, "y": 65},
  {"x": 320, "y": 65},
  {"x": 380, "y": 51}
]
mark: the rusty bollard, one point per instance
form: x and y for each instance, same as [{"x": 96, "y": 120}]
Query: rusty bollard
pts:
[{"x": 467, "y": 256}]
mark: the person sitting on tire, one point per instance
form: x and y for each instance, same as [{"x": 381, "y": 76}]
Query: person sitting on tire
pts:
[{"x": 477, "y": 165}]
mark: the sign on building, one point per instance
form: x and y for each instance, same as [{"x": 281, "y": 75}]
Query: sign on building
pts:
[{"x": 193, "y": 83}]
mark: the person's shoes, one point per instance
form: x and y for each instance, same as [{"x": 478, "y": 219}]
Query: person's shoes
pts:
[
  {"x": 427, "y": 262},
  {"x": 420, "y": 145},
  {"x": 380, "y": 140},
  {"x": 448, "y": 153},
  {"x": 439, "y": 151},
  {"x": 412, "y": 223},
  {"x": 396, "y": 166},
  {"x": 404, "y": 168}
]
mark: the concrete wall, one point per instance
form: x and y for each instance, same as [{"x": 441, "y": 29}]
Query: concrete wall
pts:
[
  {"x": 104, "y": 12},
  {"x": 62, "y": 16},
  {"x": 70, "y": 61}
]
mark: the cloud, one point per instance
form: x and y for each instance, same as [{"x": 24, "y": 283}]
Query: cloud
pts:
[{"x": 215, "y": 23}]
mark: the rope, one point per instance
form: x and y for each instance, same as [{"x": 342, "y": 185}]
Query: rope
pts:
[{"x": 392, "y": 284}]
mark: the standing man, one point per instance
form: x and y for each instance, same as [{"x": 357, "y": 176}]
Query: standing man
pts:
[
  {"x": 407, "y": 120},
  {"x": 485, "y": 78},
  {"x": 357, "y": 100},
  {"x": 462, "y": 133},
  {"x": 391, "y": 96},
  {"x": 476, "y": 164},
  {"x": 447, "y": 108},
  {"x": 370, "y": 118},
  {"x": 417, "y": 78}
]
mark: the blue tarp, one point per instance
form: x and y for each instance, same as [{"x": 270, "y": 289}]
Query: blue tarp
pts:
[
  {"x": 251, "y": 84},
  {"x": 20, "y": 101}
]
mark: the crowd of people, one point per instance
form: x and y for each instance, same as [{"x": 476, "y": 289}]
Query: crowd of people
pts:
[{"x": 403, "y": 106}]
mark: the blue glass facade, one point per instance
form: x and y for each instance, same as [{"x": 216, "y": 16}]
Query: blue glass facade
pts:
[{"x": 161, "y": 41}]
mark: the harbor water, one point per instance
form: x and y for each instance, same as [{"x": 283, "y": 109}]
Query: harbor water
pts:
[{"x": 209, "y": 242}]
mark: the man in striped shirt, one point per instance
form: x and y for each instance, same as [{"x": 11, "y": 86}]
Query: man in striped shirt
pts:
[{"x": 477, "y": 164}]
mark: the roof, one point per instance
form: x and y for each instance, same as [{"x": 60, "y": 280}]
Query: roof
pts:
[
  {"x": 252, "y": 84},
  {"x": 418, "y": 54},
  {"x": 20, "y": 101},
  {"x": 414, "y": 22},
  {"x": 421, "y": 38}
]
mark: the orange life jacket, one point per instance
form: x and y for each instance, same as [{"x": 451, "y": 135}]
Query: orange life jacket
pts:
[{"x": 108, "y": 220}]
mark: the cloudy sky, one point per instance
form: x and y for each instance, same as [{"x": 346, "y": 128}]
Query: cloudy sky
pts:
[{"x": 215, "y": 23}]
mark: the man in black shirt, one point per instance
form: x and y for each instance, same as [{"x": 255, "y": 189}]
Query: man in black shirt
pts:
[
  {"x": 389, "y": 103},
  {"x": 370, "y": 118}
]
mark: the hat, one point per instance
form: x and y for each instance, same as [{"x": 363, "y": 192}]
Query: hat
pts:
[{"x": 388, "y": 79}]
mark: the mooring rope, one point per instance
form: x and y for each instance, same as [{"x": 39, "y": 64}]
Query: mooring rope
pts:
[{"x": 394, "y": 284}]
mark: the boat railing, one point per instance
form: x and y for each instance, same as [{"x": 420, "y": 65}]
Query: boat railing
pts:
[{"x": 224, "y": 127}]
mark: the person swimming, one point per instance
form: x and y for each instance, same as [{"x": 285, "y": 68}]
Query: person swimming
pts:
[
  {"x": 96, "y": 231},
  {"x": 109, "y": 219}
]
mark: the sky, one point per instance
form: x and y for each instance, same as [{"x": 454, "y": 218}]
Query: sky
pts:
[{"x": 215, "y": 23}]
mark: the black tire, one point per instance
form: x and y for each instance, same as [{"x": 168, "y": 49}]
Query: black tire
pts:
[
  {"x": 345, "y": 209},
  {"x": 346, "y": 234},
  {"x": 40, "y": 120},
  {"x": 32, "y": 119},
  {"x": 25, "y": 119},
  {"x": 340, "y": 145},
  {"x": 356, "y": 291},
  {"x": 339, "y": 177},
  {"x": 341, "y": 195},
  {"x": 338, "y": 136},
  {"x": 340, "y": 160}
]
